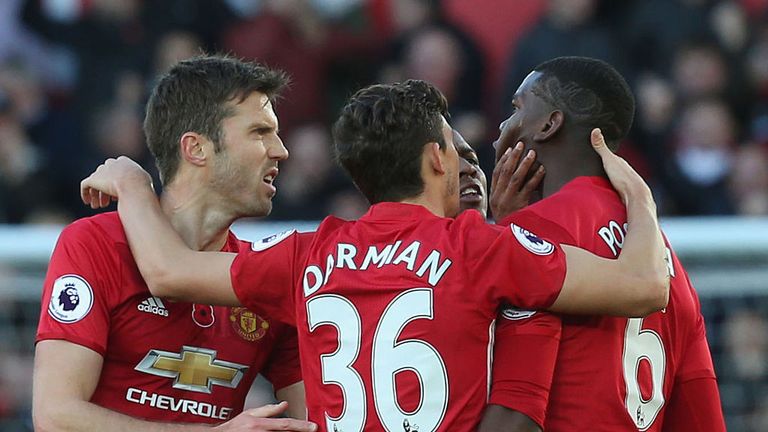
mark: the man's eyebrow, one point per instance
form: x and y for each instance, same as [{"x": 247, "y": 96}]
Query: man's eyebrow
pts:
[{"x": 261, "y": 125}]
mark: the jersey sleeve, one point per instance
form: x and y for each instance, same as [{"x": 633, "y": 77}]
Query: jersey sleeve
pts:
[
  {"x": 695, "y": 407},
  {"x": 697, "y": 360},
  {"x": 264, "y": 276},
  {"x": 283, "y": 368},
  {"x": 541, "y": 224},
  {"x": 518, "y": 266},
  {"x": 525, "y": 354},
  {"x": 75, "y": 304}
]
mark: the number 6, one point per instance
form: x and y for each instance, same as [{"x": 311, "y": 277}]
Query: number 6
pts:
[{"x": 643, "y": 344}]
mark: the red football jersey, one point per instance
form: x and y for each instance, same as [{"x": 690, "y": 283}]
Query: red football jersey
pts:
[
  {"x": 395, "y": 311},
  {"x": 611, "y": 374},
  {"x": 162, "y": 360}
]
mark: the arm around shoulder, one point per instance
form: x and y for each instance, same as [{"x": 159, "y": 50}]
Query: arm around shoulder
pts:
[
  {"x": 637, "y": 283},
  {"x": 595, "y": 285}
]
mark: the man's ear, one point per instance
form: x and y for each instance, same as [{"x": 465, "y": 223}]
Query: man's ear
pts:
[
  {"x": 435, "y": 156},
  {"x": 195, "y": 148},
  {"x": 551, "y": 127}
]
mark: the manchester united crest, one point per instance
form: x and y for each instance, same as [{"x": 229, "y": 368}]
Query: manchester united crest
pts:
[{"x": 247, "y": 324}]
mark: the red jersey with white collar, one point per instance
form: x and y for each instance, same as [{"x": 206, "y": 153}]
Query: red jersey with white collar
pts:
[{"x": 163, "y": 360}]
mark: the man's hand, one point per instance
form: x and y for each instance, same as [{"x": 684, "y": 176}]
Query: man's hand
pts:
[
  {"x": 104, "y": 184},
  {"x": 511, "y": 185},
  {"x": 624, "y": 179},
  {"x": 258, "y": 420}
]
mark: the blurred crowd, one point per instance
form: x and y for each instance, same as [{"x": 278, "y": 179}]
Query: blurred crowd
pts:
[
  {"x": 737, "y": 330},
  {"x": 75, "y": 74}
]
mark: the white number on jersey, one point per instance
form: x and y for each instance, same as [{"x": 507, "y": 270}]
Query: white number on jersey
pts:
[
  {"x": 389, "y": 357},
  {"x": 638, "y": 345}
]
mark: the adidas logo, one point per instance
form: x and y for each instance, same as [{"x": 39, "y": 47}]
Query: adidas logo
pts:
[{"x": 153, "y": 305}]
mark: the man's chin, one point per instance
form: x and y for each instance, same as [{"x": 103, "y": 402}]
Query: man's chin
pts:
[{"x": 259, "y": 209}]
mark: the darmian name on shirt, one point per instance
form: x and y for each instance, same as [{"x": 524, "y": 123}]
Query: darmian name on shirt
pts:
[{"x": 430, "y": 266}]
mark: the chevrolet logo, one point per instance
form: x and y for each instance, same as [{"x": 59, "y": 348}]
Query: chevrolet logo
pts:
[{"x": 194, "y": 369}]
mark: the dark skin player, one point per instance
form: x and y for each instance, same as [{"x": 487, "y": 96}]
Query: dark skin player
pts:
[
  {"x": 510, "y": 192},
  {"x": 513, "y": 182}
]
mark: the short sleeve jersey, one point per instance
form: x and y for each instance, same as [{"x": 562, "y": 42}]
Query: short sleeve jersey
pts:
[
  {"x": 613, "y": 374},
  {"x": 395, "y": 311},
  {"x": 166, "y": 361}
]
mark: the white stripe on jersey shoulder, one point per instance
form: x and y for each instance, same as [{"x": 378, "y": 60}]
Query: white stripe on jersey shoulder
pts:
[
  {"x": 517, "y": 314},
  {"x": 270, "y": 241}
]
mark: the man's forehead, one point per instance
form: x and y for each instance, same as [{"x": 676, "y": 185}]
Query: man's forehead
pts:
[
  {"x": 460, "y": 143},
  {"x": 258, "y": 105},
  {"x": 255, "y": 99},
  {"x": 526, "y": 85}
]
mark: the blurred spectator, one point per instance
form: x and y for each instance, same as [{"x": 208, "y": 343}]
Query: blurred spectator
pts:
[
  {"x": 291, "y": 35},
  {"x": 117, "y": 131},
  {"x": 679, "y": 51},
  {"x": 701, "y": 69},
  {"x": 23, "y": 185},
  {"x": 305, "y": 173},
  {"x": 108, "y": 39},
  {"x": 497, "y": 31},
  {"x": 759, "y": 418},
  {"x": 655, "y": 28},
  {"x": 656, "y": 104},
  {"x": 570, "y": 27},
  {"x": 746, "y": 335},
  {"x": 730, "y": 24},
  {"x": 746, "y": 369},
  {"x": 19, "y": 44},
  {"x": 757, "y": 70},
  {"x": 749, "y": 181},
  {"x": 172, "y": 48},
  {"x": 436, "y": 53},
  {"x": 308, "y": 173},
  {"x": 702, "y": 159}
]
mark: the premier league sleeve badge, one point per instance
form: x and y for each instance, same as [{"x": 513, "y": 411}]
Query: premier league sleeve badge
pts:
[{"x": 71, "y": 299}]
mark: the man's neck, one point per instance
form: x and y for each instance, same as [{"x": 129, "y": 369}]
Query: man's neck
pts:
[
  {"x": 200, "y": 223},
  {"x": 434, "y": 205},
  {"x": 572, "y": 160}
]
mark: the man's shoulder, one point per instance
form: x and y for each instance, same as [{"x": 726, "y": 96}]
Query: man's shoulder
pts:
[
  {"x": 101, "y": 228},
  {"x": 472, "y": 219},
  {"x": 583, "y": 202}
]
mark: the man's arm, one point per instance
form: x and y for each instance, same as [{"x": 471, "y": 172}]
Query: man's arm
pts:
[
  {"x": 524, "y": 359},
  {"x": 170, "y": 268},
  {"x": 635, "y": 284},
  {"x": 497, "y": 418},
  {"x": 66, "y": 375},
  {"x": 297, "y": 403}
]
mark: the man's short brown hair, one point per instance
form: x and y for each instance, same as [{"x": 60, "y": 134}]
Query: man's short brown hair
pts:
[{"x": 194, "y": 96}]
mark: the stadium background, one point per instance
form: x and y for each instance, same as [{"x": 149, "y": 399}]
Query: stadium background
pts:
[{"x": 74, "y": 75}]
